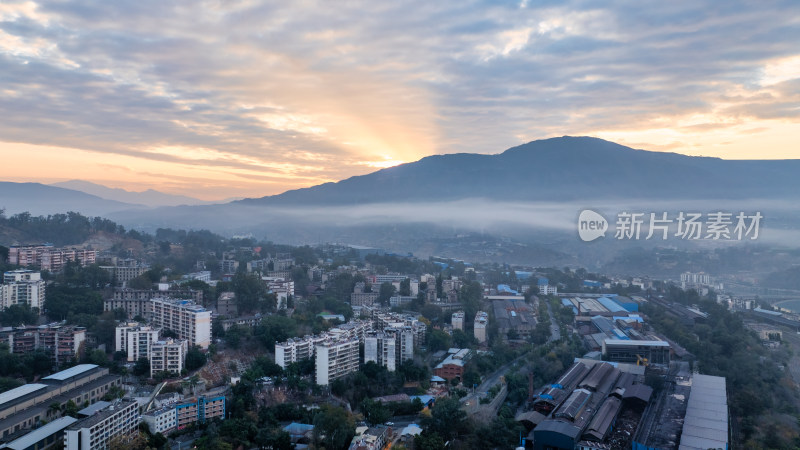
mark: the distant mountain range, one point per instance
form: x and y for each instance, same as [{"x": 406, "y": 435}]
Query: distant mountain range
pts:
[
  {"x": 41, "y": 199},
  {"x": 532, "y": 192},
  {"x": 557, "y": 169},
  {"x": 150, "y": 197}
]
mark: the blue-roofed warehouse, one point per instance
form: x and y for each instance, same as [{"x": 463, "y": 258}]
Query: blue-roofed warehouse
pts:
[
  {"x": 610, "y": 305},
  {"x": 627, "y": 303}
]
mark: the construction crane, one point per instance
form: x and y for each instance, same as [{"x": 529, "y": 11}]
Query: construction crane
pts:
[{"x": 640, "y": 361}]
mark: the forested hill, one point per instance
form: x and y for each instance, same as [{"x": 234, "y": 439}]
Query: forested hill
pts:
[{"x": 58, "y": 229}]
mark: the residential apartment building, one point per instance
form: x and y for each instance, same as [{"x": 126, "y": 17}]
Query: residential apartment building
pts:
[
  {"x": 136, "y": 302},
  {"x": 163, "y": 420},
  {"x": 226, "y": 304},
  {"x": 381, "y": 348},
  {"x": 94, "y": 432},
  {"x": 363, "y": 298},
  {"x": 189, "y": 321},
  {"x": 481, "y": 321},
  {"x": 47, "y": 257},
  {"x": 457, "y": 320},
  {"x": 167, "y": 356},
  {"x": 296, "y": 349},
  {"x": 335, "y": 359},
  {"x": 22, "y": 287},
  {"x": 135, "y": 340},
  {"x": 62, "y": 342},
  {"x": 125, "y": 270},
  {"x": 199, "y": 410}
]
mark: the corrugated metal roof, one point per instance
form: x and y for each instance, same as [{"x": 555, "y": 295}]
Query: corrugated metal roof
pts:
[
  {"x": 71, "y": 372},
  {"x": 706, "y": 421},
  {"x": 21, "y": 391},
  {"x": 41, "y": 433}
]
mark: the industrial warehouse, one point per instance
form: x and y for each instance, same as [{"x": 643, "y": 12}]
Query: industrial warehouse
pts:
[{"x": 597, "y": 405}]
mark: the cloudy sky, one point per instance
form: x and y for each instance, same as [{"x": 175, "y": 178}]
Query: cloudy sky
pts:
[{"x": 247, "y": 98}]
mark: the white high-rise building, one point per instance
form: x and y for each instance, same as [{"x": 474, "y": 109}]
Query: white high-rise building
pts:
[
  {"x": 458, "y": 320},
  {"x": 22, "y": 287},
  {"x": 135, "y": 340},
  {"x": 296, "y": 349},
  {"x": 481, "y": 320},
  {"x": 189, "y": 321},
  {"x": 167, "y": 356},
  {"x": 381, "y": 348},
  {"x": 336, "y": 359}
]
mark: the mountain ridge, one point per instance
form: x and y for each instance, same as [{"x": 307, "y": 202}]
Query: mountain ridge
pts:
[{"x": 595, "y": 168}]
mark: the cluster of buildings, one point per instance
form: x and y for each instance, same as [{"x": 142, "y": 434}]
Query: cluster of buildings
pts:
[
  {"x": 22, "y": 287},
  {"x": 190, "y": 323},
  {"x": 611, "y": 325},
  {"x": 388, "y": 339},
  {"x": 47, "y": 257},
  {"x": 599, "y": 405},
  {"x": 514, "y": 315},
  {"x": 25, "y": 409},
  {"x": 124, "y": 270},
  {"x": 31, "y": 416},
  {"x": 186, "y": 412},
  {"x": 453, "y": 365},
  {"x": 136, "y": 302},
  {"x": 64, "y": 343}
]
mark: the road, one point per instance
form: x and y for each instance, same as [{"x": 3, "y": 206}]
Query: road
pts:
[{"x": 555, "y": 331}]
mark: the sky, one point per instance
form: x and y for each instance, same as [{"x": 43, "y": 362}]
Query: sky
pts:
[{"x": 218, "y": 99}]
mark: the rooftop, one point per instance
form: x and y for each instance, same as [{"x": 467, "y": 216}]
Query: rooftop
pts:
[
  {"x": 37, "y": 435},
  {"x": 706, "y": 421},
  {"x": 16, "y": 393},
  {"x": 71, "y": 372}
]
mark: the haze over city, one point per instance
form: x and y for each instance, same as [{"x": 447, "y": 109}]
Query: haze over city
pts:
[{"x": 224, "y": 99}]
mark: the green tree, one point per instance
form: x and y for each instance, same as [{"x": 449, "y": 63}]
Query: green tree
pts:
[
  {"x": 333, "y": 427},
  {"x": 428, "y": 440},
  {"x": 375, "y": 412},
  {"x": 447, "y": 419},
  {"x": 386, "y": 292},
  {"x": 405, "y": 287},
  {"x": 195, "y": 358},
  {"x": 142, "y": 367},
  {"x": 438, "y": 340}
]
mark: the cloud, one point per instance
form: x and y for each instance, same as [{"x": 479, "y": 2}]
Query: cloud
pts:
[{"x": 316, "y": 91}]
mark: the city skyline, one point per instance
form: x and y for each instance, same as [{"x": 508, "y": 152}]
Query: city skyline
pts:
[{"x": 251, "y": 99}]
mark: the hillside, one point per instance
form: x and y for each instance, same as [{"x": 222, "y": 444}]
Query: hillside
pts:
[
  {"x": 40, "y": 199},
  {"x": 566, "y": 168}
]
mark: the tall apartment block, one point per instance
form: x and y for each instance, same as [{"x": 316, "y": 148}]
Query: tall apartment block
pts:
[
  {"x": 62, "y": 342},
  {"x": 125, "y": 270},
  {"x": 381, "y": 348},
  {"x": 94, "y": 432},
  {"x": 167, "y": 356},
  {"x": 22, "y": 287},
  {"x": 336, "y": 359},
  {"x": 136, "y": 302},
  {"x": 200, "y": 410},
  {"x": 47, "y": 257},
  {"x": 457, "y": 320},
  {"x": 135, "y": 340},
  {"x": 189, "y": 321},
  {"x": 481, "y": 320},
  {"x": 296, "y": 349}
]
